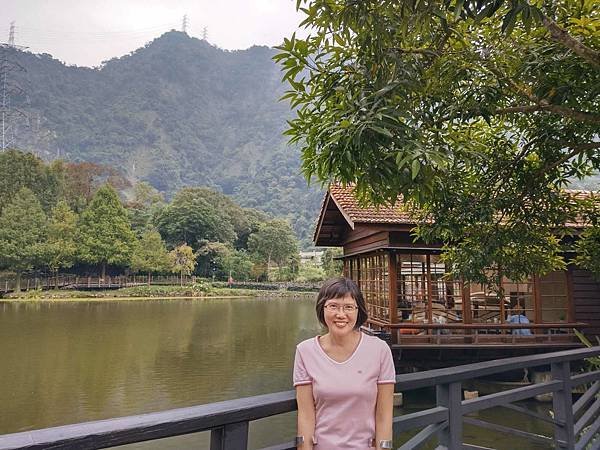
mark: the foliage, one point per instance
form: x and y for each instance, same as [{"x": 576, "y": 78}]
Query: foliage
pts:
[
  {"x": 80, "y": 181},
  {"x": 588, "y": 244},
  {"x": 22, "y": 233},
  {"x": 24, "y": 170},
  {"x": 140, "y": 113},
  {"x": 476, "y": 113},
  {"x": 146, "y": 204},
  {"x": 150, "y": 254},
  {"x": 274, "y": 242},
  {"x": 202, "y": 286},
  {"x": 588, "y": 250},
  {"x": 223, "y": 261},
  {"x": 191, "y": 218},
  {"x": 332, "y": 267},
  {"x": 183, "y": 260},
  {"x": 594, "y": 361},
  {"x": 60, "y": 248},
  {"x": 311, "y": 272},
  {"x": 105, "y": 235}
]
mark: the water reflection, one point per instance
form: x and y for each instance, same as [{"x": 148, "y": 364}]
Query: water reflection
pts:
[{"x": 71, "y": 362}]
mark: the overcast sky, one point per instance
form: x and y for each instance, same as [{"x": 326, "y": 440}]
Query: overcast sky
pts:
[{"x": 87, "y": 32}]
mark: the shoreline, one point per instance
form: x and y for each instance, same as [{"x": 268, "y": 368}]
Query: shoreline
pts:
[{"x": 104, "y": 296}]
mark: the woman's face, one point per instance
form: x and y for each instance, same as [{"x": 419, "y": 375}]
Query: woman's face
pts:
[{"x": 340, "y": 315}]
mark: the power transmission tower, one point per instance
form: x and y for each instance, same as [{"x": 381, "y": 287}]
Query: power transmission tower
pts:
[
  {"x": 205, "y": 34},
  {"x": 184, "y": 24},
  {"x": 9, "y": 89},
  {"x": 11, "y": 34}
]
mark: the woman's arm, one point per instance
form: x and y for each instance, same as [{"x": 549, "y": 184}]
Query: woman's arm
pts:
[
  {"x": 384, "y": 412},
  {"x": 306, "y": 415}
]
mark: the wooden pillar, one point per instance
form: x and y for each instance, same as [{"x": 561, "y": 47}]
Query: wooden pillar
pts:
[
  {"x": 537, "y": 303},
  {"x": 450, "y": 396},
  {"x": 393, "y": 287},
  {"x": 570, "y": 297},
  {"x": 562, "y": 404},
  {"x": 429, "y": 292}
]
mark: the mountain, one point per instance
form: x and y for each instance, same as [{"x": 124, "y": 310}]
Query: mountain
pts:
[{"x": 177, "y": 112}]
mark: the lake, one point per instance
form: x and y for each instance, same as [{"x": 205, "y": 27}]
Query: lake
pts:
[{"x": 69, "y": 362}]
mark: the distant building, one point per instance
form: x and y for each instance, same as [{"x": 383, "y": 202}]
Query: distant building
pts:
[{"x": 315, "y": 257}]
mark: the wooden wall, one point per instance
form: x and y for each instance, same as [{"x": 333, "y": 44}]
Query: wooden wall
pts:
[{"x": 586, "y": 297}]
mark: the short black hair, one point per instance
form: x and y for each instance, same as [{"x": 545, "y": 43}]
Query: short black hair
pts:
[{"x": 337, "y": 288}]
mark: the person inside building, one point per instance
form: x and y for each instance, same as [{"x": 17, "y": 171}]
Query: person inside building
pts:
[
  {"x": 518, "y": 316},
  {"x": 345, "y": 378}
]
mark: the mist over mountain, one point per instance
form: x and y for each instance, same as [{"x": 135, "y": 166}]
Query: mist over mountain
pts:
[{"x": 177, "y": 112}]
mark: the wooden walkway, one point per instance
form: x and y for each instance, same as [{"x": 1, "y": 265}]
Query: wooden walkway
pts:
[{"x": 89, "y": 283}]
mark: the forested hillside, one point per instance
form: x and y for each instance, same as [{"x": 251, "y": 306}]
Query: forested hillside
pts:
[{"x": 177, "y": 112}]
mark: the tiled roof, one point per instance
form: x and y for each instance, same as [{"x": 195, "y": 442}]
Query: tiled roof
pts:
[
  {"x": 399, "y": 214},
  {"x": 345, "y": 199}
]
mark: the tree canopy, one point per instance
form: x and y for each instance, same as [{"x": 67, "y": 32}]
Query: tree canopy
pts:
[
  {"x": 274, "y": 242},
  {"x": 105, "y": 233},
  {"x": 22, "y": 233},
  {"x": 477, "y": 113}
]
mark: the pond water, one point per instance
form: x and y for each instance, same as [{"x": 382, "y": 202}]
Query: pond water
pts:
[{"x": 67, "y": 362}]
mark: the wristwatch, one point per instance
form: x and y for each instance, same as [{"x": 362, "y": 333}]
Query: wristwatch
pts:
[
  {"x": 300, "y": 441},
  {"x": 382, "y": 444}
]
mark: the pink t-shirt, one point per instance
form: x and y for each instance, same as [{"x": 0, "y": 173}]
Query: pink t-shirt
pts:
[{"x": 345, "y": 393}]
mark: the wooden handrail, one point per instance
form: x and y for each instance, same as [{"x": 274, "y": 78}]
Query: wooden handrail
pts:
[{"x": 475, "y": 326}]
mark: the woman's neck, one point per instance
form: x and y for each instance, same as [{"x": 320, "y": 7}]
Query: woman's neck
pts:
[{"x": 344, "y": 341}]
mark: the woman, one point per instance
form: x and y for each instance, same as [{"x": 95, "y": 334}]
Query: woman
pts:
[{"x": 344, "y": 379}]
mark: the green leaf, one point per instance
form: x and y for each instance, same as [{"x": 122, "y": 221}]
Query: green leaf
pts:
[{"x": 415, "y": 168}]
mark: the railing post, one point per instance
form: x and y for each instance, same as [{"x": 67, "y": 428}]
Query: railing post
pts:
[
  {"x": 562, "y": 404},
  {"x": 450, "y": 396},
  {"x": 230, "y": 437}
]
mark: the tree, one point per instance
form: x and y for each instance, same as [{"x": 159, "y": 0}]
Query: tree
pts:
[
  {"x": 60, "y": 249},
  {"x": 105, "y": 234},
  {"x": 19, "y": 170},
  {"x": 146, "y": 204},
  {"x": 183, "y": 260},
  {"x": 191, "y": 218},
  {"x": 477, "y": 114},
  {"x": 274, "y": 242},
  {"x": 150, "y": 254},
  {"x": 332, "y": 267},
  {"x": 238, "y": 264},
  {"x": 22, "y": 233},
  {"x": 81, "y": 180}
]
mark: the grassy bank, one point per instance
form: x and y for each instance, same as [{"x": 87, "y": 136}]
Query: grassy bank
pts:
[{"x": 149, "y": 292}]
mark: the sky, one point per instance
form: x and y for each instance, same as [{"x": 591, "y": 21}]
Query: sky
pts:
[{"x": 87, "y": 32}]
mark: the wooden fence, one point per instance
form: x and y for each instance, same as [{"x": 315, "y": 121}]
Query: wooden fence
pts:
[{"x": 575, "y": 424}]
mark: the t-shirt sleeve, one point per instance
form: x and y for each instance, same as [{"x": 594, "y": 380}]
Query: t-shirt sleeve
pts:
[
  {"x": 387, "y": 373},
  {"x": 300, "y": 373}
]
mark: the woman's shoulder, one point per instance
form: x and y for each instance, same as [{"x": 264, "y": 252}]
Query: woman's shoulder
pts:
[
  {"x": 373, "y": 342},
  {"x": 307, "y": 344}
]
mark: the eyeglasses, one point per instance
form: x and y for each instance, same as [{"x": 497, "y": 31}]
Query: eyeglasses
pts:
[{"x": 333, "y": 307}]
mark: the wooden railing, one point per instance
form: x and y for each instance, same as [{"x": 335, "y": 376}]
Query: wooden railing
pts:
[
  {"x": 120, "y": 281},
  {"x": 406, "y": 333},
  {"x": 575, "y": 424}
]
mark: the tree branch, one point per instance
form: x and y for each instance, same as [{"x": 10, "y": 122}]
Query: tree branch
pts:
[
  {"x": 580, "y": 116},
  {"x": 576, "y": 149},
  {"x": 560, "y": 35}
]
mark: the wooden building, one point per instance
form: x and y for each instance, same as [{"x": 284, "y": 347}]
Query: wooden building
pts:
[{"x": 431, "y": 318}]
